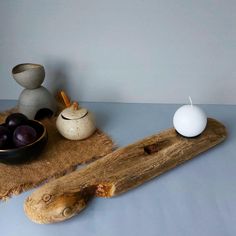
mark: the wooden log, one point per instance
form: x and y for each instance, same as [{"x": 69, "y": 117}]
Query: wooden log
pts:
[{"x": 118, "y": 172}]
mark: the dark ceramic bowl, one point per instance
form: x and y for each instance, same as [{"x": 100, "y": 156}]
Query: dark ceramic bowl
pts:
[{"x": 29, "y": 152}]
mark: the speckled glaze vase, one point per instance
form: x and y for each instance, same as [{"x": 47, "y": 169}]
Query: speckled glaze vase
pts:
[{"x": 34, "y": 99}]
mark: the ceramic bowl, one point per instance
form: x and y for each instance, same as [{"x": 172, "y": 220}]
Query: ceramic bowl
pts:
[
  {"x": 29, "y": 152},
  {"x": 29, "y": 75}
]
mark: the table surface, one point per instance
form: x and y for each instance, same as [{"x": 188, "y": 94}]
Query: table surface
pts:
[{"x": 197, "y": 198}]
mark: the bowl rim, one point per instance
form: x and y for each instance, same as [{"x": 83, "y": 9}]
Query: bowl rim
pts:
[
  {"x": 30, "y": 144},
  {"x": 34, "y": 65}
]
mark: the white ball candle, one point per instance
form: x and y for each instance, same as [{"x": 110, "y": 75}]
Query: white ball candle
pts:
[{"x": 190, "y": 120}]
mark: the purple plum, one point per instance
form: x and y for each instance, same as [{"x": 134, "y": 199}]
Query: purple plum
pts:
[
  {"x": 5, "y": 137},
  {"x": 24, "y": 135},
  {"x": 15, "y": 119}
]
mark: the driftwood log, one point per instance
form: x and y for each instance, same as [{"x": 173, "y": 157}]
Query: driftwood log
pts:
[{"x": 118, "y": 172}]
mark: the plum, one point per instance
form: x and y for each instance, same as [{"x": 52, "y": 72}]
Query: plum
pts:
[
  {"x": 5, "y": 137},
  {"x": 15, "y": 119},
  {"x": 24, "y": 135}
]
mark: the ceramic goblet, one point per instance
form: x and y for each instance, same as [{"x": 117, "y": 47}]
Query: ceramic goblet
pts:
[{"x": 29, "y": 75}]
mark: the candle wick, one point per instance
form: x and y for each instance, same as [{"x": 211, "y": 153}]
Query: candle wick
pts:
[{"x": 190, "y": 99}]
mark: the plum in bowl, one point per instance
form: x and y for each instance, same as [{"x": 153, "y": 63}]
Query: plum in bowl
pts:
[{"x": 28, "y": 151}]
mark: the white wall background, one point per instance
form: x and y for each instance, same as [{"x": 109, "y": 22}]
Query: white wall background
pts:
[{"x": 157, "y": 51}]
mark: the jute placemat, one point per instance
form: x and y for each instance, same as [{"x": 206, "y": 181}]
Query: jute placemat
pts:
[{"x": 59, "y": 157}]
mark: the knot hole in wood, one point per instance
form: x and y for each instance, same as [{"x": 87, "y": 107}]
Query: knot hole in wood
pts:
[{"x": 156, "y": 147}]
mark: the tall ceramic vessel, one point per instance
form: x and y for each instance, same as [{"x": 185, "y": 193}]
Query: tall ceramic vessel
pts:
[{"x": 34, "y": 99}]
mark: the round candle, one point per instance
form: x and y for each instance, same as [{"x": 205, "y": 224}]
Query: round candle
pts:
[{"x": 190, "y": 120}]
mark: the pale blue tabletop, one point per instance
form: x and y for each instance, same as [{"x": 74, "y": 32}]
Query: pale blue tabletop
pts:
[{"x": 197, "y": 198}]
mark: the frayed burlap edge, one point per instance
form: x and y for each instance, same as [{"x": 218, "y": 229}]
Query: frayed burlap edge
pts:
[{"x": 16, "y": 190}]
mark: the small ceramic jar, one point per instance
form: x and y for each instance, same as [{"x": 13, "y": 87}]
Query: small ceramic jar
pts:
[{"x": 75, "y": 123}]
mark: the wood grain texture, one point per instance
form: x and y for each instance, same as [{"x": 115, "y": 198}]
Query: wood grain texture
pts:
[{"x": 118, "y": 172}]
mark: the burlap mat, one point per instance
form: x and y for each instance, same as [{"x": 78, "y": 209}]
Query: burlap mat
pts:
[{"x": 60, "y": 156}]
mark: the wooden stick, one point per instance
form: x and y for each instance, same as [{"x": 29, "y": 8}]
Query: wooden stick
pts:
[
  {"x": 65, "y": 98},
  {"x": 118, "y": 172}
]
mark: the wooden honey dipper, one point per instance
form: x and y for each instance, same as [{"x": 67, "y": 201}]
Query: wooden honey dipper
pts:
[{"x": 118, "y": 172}]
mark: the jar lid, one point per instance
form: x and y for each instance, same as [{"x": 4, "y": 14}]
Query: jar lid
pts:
[{"x": 71, "y": 114}]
